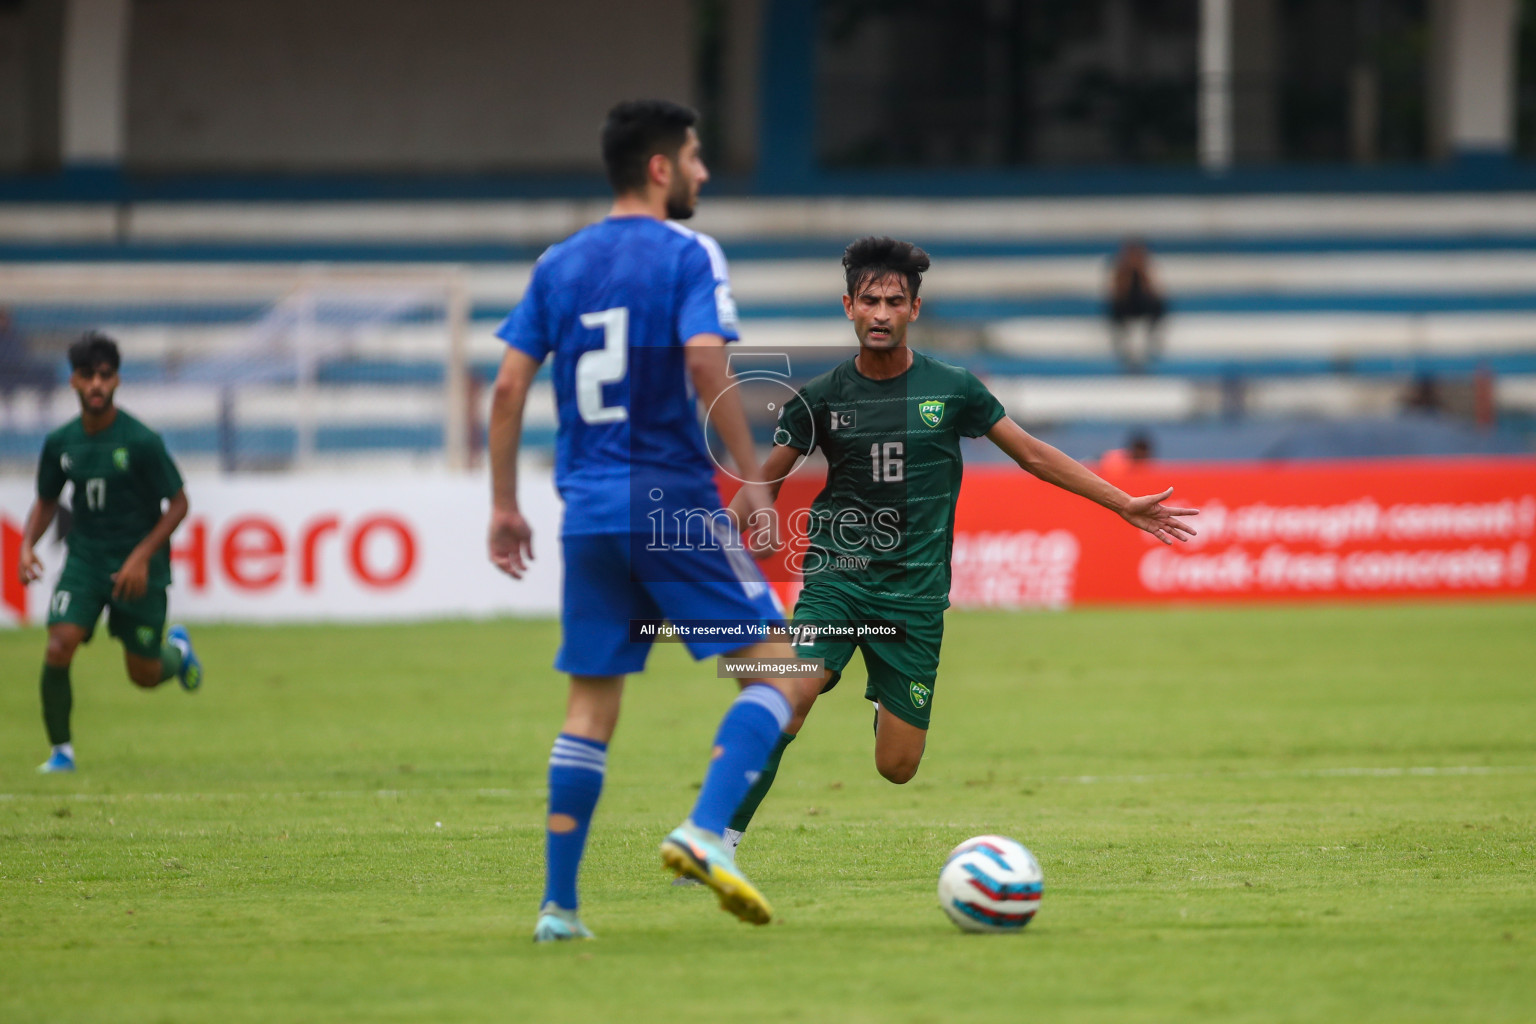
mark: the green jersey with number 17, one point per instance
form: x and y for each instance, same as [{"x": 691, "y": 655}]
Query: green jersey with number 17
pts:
[
  {"x": 884, "y": 523},
  {"x": 121, "y": 475}
]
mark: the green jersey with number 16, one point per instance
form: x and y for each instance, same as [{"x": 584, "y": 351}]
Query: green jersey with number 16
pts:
[{"x": 884, "y": 524}]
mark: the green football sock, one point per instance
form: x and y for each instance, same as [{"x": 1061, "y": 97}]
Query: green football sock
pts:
[
  {"x": 760, "y": 788},
  {"x": 58, "y": 698},
  {"x": 170, "y": 661}
]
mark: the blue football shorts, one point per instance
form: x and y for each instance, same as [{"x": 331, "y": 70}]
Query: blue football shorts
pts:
[{"x": 611, "y": 579}]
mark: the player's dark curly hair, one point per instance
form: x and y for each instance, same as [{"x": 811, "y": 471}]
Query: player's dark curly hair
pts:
[
  {"x": 872, "y": 258},
  {"x": 94, "y": 349},
  {"x": 637, "y": 130}
]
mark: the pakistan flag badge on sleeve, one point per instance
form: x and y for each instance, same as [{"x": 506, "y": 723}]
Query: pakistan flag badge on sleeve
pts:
[
  {"x": 932, "y": 413},
  {"x": 920, "y": 694}
]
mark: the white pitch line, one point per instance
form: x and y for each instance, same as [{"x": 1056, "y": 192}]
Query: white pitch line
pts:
[
  {"x": 295, "y": 794},
  {"x": 1313, "y": 773},
  {"x": 391, "y": 794}
]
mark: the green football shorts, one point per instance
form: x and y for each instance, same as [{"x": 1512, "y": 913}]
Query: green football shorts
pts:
[
  {"x": 901, "y": 674},
  {"x": 84, "y": 589}
]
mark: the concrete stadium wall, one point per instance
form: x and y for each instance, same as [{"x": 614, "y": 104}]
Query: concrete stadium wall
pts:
[
  {"x": 29, "y": 88},
  {"x": 13, "y": 90},
  {"x": 393, "y": 84}
]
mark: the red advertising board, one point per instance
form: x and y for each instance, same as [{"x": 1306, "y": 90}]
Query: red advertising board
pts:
[
  {"x": 361, "y": 548},
  {"x": 1267, "y": 532}
]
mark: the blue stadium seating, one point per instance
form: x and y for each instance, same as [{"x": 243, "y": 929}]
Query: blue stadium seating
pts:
[{"x": 1294, "y": 323}]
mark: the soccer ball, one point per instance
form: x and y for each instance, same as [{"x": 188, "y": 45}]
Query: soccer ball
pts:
[{"x": 990, "y": 884}]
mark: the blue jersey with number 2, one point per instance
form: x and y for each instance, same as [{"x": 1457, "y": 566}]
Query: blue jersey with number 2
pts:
[{"x": 614, "y": 303}]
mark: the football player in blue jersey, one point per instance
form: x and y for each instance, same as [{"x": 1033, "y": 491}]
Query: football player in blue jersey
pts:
[{"x": 636, "y": 311}]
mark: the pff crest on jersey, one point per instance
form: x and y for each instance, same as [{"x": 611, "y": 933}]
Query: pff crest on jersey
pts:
[{"x": 932, "y": 413}]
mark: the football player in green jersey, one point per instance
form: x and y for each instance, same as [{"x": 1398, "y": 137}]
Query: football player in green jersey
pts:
[
  {"x": 889, "y": 421},
  {"x": 128, "y": 499}
]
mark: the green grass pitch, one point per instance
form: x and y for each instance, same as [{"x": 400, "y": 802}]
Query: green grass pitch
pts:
[{"x": 1300, "y": 814}]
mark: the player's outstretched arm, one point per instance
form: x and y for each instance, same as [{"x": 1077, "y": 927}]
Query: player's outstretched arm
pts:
[
  {"x": 28, "y": 566},
  {"x": 707, "y": 369},
  {"x": 1146, "y": 512},
  {"x": 510, "y": 539}
]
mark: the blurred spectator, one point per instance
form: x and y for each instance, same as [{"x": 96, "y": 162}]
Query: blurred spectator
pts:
[
  {"x": 1424, "y": 395},
  {"x": 1234, "y": 395},
  {"x": 18, "y": 367},
  {"x": 1134, "y": 296},
  {"x": 1137, "y": 451}
]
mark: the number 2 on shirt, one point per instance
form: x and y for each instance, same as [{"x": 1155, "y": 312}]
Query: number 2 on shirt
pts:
[{"x": 606, "y": 365}]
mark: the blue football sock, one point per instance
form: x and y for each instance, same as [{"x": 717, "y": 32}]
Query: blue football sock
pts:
[
  {"x": 576, "y": 767},
  {"x": 747, "y": 735}
]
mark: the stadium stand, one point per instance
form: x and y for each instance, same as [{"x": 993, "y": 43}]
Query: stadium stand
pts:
[{"x": 1298, "y": 325}]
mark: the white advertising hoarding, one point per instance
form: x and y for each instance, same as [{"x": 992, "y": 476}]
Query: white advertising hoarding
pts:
[{"x": 311, "y": 549}]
